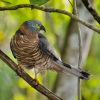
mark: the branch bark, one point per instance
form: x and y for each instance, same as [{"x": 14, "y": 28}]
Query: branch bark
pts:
[
  {"x": 32, "y": 82},
  {"x": 66, "y": 86},
  {"x": 51, "y": 10},
  {"x": 91, "y": 10},
  {"x": 80, "y": 51}
]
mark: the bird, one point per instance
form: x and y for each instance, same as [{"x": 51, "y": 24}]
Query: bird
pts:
[{"x": 32, "y": 50}]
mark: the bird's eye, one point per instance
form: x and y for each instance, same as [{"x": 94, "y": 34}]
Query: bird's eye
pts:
[{"x": 36, "y": 26}]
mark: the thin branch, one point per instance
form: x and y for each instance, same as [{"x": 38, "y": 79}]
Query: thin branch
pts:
[
  {"x": 51, "y": 10},
  {"x": 32, "y": 82},
  {"x": 70, "y": 3},
  {"x": 80, "y": 52},
  {"x": 91, "y": 10}
]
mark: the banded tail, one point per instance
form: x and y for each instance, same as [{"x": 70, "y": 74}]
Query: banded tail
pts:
[{"x": 62, "y": 67}]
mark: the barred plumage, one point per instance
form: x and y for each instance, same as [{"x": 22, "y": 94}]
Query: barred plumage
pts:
[
  {"x": 28, "y": 55},
  {"x": 32, "y": 50}
]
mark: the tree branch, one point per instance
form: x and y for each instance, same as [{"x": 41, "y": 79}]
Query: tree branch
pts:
[
  {"x": 51, "y": 10},
  {"x": 91, "y": 10},
  {"x": 32, "y": 82},
  {"x": 80, "y": 51}
]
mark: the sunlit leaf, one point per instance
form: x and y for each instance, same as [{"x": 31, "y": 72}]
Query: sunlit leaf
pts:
[
  {"x": 4, "y": 1},
  {"x": 2, "y": 36},
  {"x": 38, "y": 2},
  {"x": 18, "y": 96}
]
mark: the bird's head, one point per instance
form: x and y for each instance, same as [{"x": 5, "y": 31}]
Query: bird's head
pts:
[{"x": 32, "y": 26}]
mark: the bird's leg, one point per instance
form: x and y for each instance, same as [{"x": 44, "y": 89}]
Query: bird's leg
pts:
[
  {"x": 35, "y": 77},
  {"x": 19, "y": 66}
]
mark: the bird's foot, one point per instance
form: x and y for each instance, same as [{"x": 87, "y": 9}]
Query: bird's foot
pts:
[
  {"x": 36, "y": 78},
  {"x": 36, "y": 81},
  {"x": 20, "y": 69}
]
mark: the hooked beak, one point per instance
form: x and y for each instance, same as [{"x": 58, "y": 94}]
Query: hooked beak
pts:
[{"x": 42, "y": 28}]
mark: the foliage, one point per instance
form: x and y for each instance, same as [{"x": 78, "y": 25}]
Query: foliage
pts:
[
  {"x": 6, "y": 2},
  {"x": 38, "y": 2},
  {"x": 14, "y": 88},
  {"x": 10, "y": 22}
]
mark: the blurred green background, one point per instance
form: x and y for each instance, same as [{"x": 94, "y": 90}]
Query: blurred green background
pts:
[{"x": 14, "y": 88}]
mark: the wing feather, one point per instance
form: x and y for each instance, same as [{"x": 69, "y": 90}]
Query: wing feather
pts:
[{"x": 47, "y": 48}]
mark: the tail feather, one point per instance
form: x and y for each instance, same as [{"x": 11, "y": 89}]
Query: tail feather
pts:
[
  {"x": 85, "y": 75},
  {"x": 68, "y": 68},
  {"x": 78, "y": 72}
]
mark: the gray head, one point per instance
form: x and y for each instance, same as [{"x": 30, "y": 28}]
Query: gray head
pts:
[{"x": 34, "y": 26}]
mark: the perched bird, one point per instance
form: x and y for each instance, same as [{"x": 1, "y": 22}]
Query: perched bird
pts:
[{"x": 32, "y": 50}]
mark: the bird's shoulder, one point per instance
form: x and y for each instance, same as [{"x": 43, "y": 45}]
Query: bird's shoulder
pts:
[{"x": 47, "y": 48}]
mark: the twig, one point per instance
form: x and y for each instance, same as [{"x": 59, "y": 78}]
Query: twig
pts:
[
  {"x": 91, "y": 10},
  {"x": 51, "y": 10},
  {"x": 80, "y": 52},
  {"x": 70, "y": 3},
  {"x": 32, "y": 82}
]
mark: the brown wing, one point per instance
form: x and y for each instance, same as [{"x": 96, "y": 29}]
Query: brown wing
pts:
[{"x": 46, "y": 47}]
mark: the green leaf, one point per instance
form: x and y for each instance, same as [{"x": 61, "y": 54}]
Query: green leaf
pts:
[
  {"x": 38, "y": 2},
  {"x": 4, "y": 1}
]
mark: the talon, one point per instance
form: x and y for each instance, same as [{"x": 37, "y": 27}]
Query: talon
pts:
[
  {"x": 19, "y": 69},
  {"x": 37, "y": 82}
]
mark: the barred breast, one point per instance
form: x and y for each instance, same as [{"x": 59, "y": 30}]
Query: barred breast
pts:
[{"x": 28, "y": 53}]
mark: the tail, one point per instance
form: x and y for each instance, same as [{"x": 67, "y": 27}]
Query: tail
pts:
[{"x": 68, "y": 68}]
